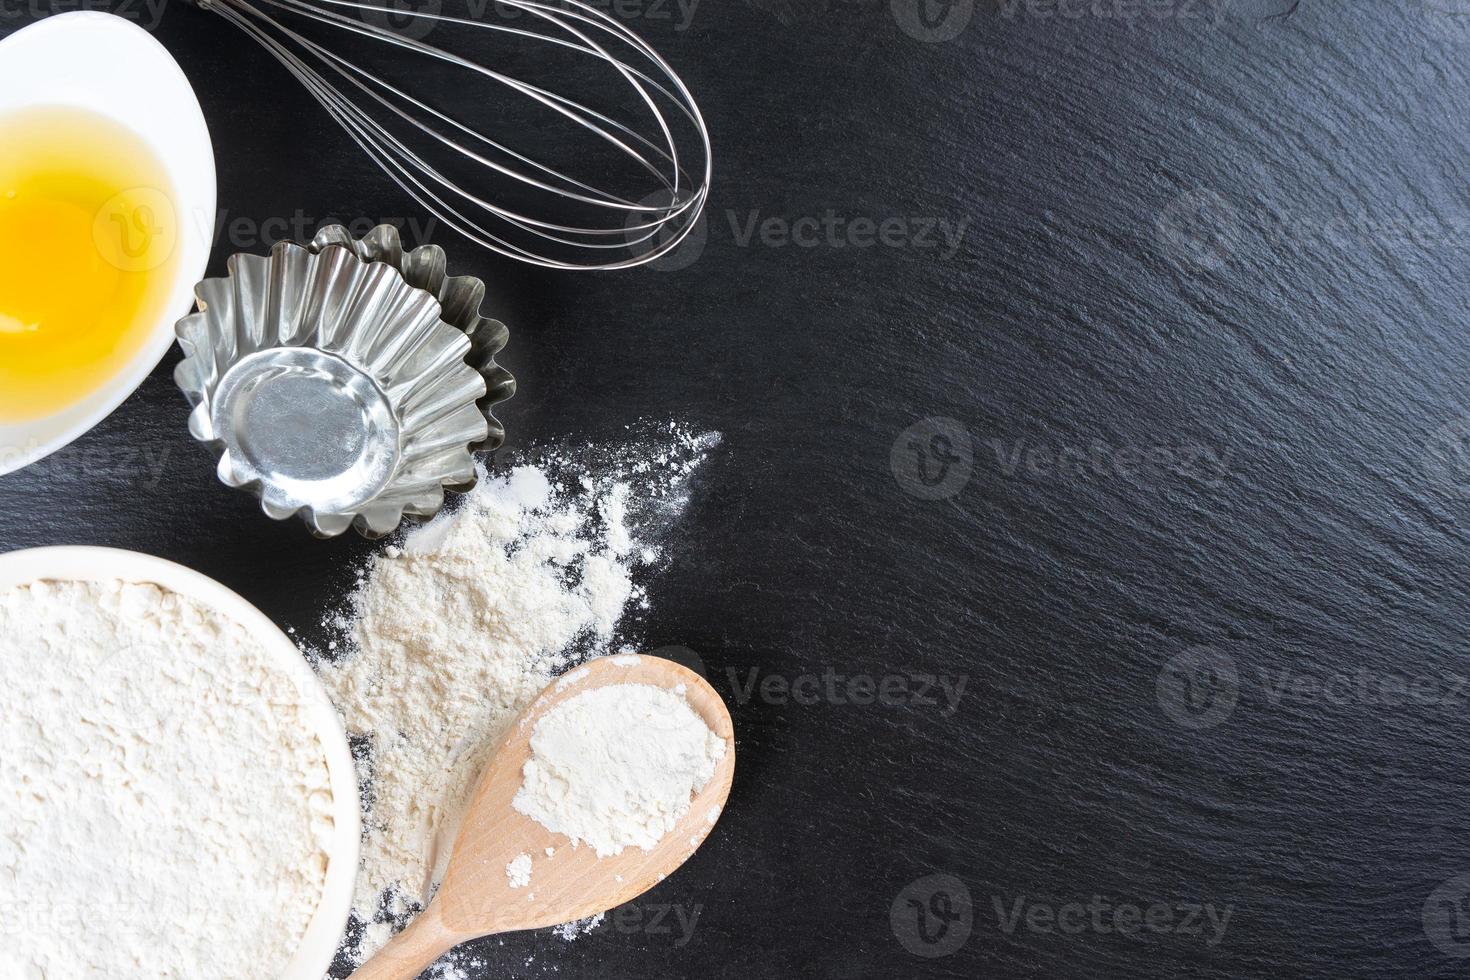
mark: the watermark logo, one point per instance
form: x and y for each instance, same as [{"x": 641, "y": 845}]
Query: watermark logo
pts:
[
  {"x": 933, "y": 21},
  {"x": 401, "y": 17},
  {"x": 1200, "y": 228},
  {"x": 933, "y": 458},
  {"x": 136, "y": 230},
  {"x": 19, "y": 455},
  {"x": 1446, "y": 459},
  {"x": 684, "y": 657},
  {"x": 1203, "y": 231},
  {"x": 1448, "y": 19},
  {"x": 1446, "y": 917},
  {"x": 681, "y": 256},
  {"x": 1199, "y": 688},
  {"x": 934, "y": 916}
]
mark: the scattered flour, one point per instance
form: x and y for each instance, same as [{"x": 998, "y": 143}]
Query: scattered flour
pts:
[
  {"x": 616, "y": 766},
  {"x": 571, "y": 930},
  {"x": 461, "y": 625},
  {"x": 519, "y": 871},
  {"x": 165, "y": 809}
]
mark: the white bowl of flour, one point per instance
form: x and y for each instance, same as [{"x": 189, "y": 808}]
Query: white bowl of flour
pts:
[{"x": 177, "y": 796}]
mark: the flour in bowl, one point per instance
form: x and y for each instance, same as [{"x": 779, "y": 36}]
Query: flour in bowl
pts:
[{"x": 165, "y": 808}]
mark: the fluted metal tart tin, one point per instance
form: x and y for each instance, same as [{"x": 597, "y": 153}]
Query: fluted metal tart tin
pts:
[
  {"x": 460, "y": 299},
  {"x": 346, "y": 381}
]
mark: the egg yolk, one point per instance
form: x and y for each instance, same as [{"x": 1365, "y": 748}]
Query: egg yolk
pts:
[{"x": 88, "y": 243}]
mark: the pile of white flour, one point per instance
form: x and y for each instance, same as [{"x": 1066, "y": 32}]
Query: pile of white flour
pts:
[
  {"x": 615, "y": 767},
  {"x": 454, "y": 631},
  {"x": 165, "y": 808}
]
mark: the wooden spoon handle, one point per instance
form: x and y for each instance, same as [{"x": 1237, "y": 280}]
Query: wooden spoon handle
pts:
[{"x": 412, "y": 951}]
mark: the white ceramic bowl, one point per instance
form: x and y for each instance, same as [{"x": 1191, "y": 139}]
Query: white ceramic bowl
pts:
[
  {"x": 110, "y": 66},
  {"x": 76, "y": 564}
]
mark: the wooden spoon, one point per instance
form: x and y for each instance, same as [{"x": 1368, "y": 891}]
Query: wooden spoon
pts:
[{"x": 476, "y": 898}]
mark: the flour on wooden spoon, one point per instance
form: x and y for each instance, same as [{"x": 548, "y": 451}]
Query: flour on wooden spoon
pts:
[{"x": 459, "y": 628}]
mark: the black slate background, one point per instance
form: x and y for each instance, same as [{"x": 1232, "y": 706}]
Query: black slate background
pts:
[{"x": 1214, "y": 252}]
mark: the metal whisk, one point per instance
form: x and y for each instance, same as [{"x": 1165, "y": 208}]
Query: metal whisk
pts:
[{"x": 512, "y": 202}]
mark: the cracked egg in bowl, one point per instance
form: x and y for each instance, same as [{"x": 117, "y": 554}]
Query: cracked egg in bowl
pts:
[{"x": 107, "y": 200}]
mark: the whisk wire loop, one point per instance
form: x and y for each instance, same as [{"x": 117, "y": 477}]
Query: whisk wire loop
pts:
[{"x": 567, "y": 222}]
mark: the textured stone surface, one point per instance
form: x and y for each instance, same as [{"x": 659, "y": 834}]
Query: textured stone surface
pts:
[{"x": 1204, "y": 342}]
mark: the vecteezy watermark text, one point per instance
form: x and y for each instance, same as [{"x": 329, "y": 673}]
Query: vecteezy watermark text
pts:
[
  {"x": 938, "y": 235},
  {"x": 1101, "y": 916},
  {"x": 1202, "y": 687},
  {"x": 935, "y": 916},
  {"x": 1447, "y": 19},
  {"x": 142, "y": 466},
  {"x": 833, "y": 230},
  {"x": 1119, "y": 11},
  {"x": 912, "y": 690},
  {"x": 147, "y": 14},
  {"x": 940, "y": 21},
  {"x": 1202, "y": 229},
  {"x": 416, "y": 18},
  {"x": 243, "y": 232},
  {"x": 934, "y": 459},
  {"x": 653, "y": 919},
  {"x": 1019, "y": 457}
]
